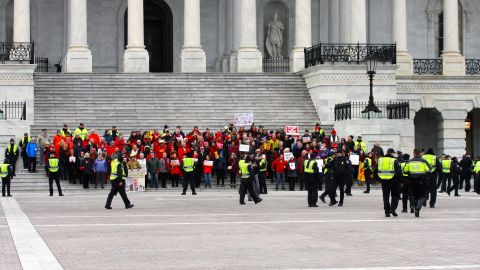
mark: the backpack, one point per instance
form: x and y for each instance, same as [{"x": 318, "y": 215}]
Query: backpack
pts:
[{"x": 340, "y": 166}]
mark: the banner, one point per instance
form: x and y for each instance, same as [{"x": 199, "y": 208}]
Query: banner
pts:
[
  {"x": 208, "y": 163},
  {"x": 291, "y": 130},
  {"x": 243, "y": 119},
  {"x": 355, "y": 159},
  {"x": 287, "y": 156},
  {"x": 135, "y": 181},
  {"x": 244, "y": 148}
]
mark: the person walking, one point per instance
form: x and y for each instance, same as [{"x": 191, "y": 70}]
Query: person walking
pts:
[
  {"x": 368, "y": 169},
  {"x": 446, "y": 174},
  {"x": 466, "y": 165},
  {"x": 417, "y": 170},
  {"x": 11, "y": 155},
  {"x": 431, "y": 184},
  {"x": 247, "y": 174},
  {"x": 6, "y": 171},
  {"x": 389, "y": 172},
  {"x": 330, "y": 185},
  {"x": 31, "y": 151},
  {"x": 341, "y": 169},
  {"x": 310, "y": 172},
  {"x": 53, "y": 167},
  {"x": 405, "y": 187},
  {"x": 188, "y": 166},
  {"x": 476, "y": 175},
  {"x": 100, "y": 169},
  {"x": 455, "y": 175},
  {"x": 118, "y": 173}
]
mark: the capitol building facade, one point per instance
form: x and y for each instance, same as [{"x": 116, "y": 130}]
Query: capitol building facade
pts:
[{"x": 430, "y": 55}]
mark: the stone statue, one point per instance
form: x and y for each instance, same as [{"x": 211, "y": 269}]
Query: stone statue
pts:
[{"x": 274, "y": 40}]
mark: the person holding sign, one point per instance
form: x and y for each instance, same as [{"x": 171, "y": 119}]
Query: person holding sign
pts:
[
  {"x": 207, "y": 171},
  {"x": 292, "y": 173},
  {"x": 188, "y": 166},
  {"x": 247, "y": 174}
]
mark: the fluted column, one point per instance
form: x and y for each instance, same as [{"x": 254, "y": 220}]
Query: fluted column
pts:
[
  {"x": 21, "y": 21},
  {"x": 399, "y": 22},
  {"x": 358, "y": 21},
  {"x": 249, "y": 57},
  {"x": 221, "y": 32},
  {"x": 78, "y": 57},
  {"x": 453, "y": 61},
  {"x": 344, "y": 21},
  {"x": 333, "y": 22},
  {"x": 236, "y": 7},
  {"x": 136, "y": 58},
  {"x": 228, "y": 35},
  {"x": 193, "y": 58},
  {"x": 303, "y": 34}
]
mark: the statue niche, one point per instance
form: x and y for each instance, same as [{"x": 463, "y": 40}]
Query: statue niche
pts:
[{"x": 274, "y": 40}]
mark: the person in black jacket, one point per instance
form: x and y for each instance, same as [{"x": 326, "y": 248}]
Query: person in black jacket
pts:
[
  {"x": 6, "y": 171},
  {"x": 117, "y": 178},
  {"x": 311, "y": 172},
  {"x": 341, "y": 169},
  {"x": 466, "y": 165},
  {"x": 11, "y": 154},
  {"x": 455, "y": 175}
]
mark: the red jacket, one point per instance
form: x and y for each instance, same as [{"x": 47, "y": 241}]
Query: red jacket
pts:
[
  {"x": 279, "y": 165},
  {"x": 207, "y": 169}
]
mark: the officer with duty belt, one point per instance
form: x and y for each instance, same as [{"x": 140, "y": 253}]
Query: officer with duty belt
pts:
[
  {"x": 389, "y": 172},
  {"x": 6, "y": 175},
  {"x": 53, "y": 174},
  {"x": 418, "y": 171},
  {"x": 310, "y": 172},
  {"x": 405, "y": 189},
  {"x": 188, "y": 167},
  {"x": 431, "y": 184},
  {"x": 11, "y": 155},
  {"x": 476, "y": 176},
  {"x": 117, "y": 179},
  {"x": 246, "y": 184}
]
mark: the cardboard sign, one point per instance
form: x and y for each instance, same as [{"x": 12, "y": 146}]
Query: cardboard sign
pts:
[
  {"x": 135, "y": 181},
  {"x": 287, "y": 156},
  {"x": 306, "y": 139},
  {"x": 320, "y": 163},
  {"x": 71, "y": 159},
  {"x": 243, "y": 119},
  {"x": 292, "y": 165},
  {"x": 355, "y": 159},
  {"x": 244, "y": 148},
  {"x": 291, "y": 130},
  {"x": 176, "y": 162},
  {"x": 208, "y": 163}
]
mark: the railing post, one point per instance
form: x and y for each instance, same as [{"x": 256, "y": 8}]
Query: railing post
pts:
[
  {"x": 32, "y": 54},
  {"x": 24, "y": 114}
]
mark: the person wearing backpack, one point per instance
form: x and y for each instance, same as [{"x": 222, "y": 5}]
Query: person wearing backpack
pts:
[{"x": 341, "y": 169}]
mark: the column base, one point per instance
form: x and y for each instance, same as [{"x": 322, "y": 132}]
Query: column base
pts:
[
  {"x": 78, "y": 60},
  {"x": 404, "y": 64},
  {"x": 453, "y": 64},
  {"x": 233, "y": 62},
  {"x": 136, "y": 61},
  {"x": 193, "y": 60},
  {"x": 226, "y": 64},
  {"x": 249, "y": 60},
  {"x": 297, "y": 60}
]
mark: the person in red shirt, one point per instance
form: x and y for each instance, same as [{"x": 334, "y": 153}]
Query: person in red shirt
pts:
[
  {"x": 93, "y": 135},
  {"x": 278, "y": 166},
  {"x": 175, "y": 169},
  {"x": 207, "y": 171}
]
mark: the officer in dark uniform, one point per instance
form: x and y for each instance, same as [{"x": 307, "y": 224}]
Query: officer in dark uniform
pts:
[
  {"x": 431, "y": 184},
  {"x": 368, "y": 169},
  {"x": 262, "y": 177},
  {"x": 23, "y": 145},
  {"x": 311, "y": 172},
  {"x": 118, "y": 172},
  {"x": 418, "y": 170},
  {"x": 6, "y": 175},
  {"x": 188, "y": 168},
  {"x": 341, "y": 169},
  {"x": 389, "y": 172},
  {"x": 53, "y": 174},
  {"x": 11, "y": 155},
  {"x": 329, "y": 180},
  {"x": 405, "y": 188},
  {"x": 246, "y": 184}
]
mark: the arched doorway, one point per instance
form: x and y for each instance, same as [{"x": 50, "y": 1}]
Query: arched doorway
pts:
[
  {"x": 472, "y": 129},
  {"x": 158, "y": 32},
  {"x": 428, "y": 127}
]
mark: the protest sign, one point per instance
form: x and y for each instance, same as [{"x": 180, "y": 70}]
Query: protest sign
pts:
[
  {"x": 355, "y": 159},
  {"x": 135, "y": 181},
  {"x": 287, "y": 156},
  {"x": 243, "y": 119},
  {"x": 244, "y": 148},
  {"x": 291, "y": 130}
]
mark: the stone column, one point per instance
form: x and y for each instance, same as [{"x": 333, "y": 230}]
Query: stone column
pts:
[
  {"x": 333, "y": 31},
  {"x": 221, "y": 32},
  {"x": 236, "y": 14},
  {"x": 453, "y": 61},
  {"x": 21, "y": 21},
  {"x": 303, "y": 34},
  {"x": 344, "y": 21},
  {"x": 193, "y": 58},
  {"x": 399, "y": 17},
  {"x": 249, "y": 58},
  {"x": 136, "y": 58},
  {"x": 358, "y": 21},
  {"x": 78, "y": 57},
  {"x": 228, "y": 35}
]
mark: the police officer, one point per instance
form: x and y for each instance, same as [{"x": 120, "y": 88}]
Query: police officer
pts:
[
  {"x": 389, "y": 172},
  {"x": 431, "y": 184},
  {"x": 188, "y": 167},
  {"x": 246, "y": 183},
  {"x": 310, "y": 172},
  {"x": 53, "y": 174},
  {"x": 328, "y": 179},
  {"x": 23, "y": 145},
  {"x": 341, "y": 169},
  {"x": 446, "y": 173},
  {"x": 476, "y": 175},
  {"x": 11, "y": 155},
  {"x": 5, "y": 174},
  {"x": 262, "y": 174},
  {"x": 417, "y": 169},
  {"x": 118, "y": 172},
  {"x": 455, "y": 175},
  {"x": 405, "y": 188},
  {"x": 368, "y": 169}
]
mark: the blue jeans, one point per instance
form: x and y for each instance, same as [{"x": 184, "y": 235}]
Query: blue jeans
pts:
[
  {"x": 208, "y": 180},
  {"x": 280, "y": 179},
  {"x": 154, "y": 180}
]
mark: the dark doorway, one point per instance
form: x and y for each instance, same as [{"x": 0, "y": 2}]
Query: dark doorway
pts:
[
  {"x": 428, "y": 129},
  {"x": 158, "y": 32},
  {"x": 472, "y": 130}
]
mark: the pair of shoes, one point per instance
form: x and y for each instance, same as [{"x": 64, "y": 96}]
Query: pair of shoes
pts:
[
  {"x": 259, "y": 200},
  {"x": 322, "y": 199},
  {"x": 387, "y": 214},
  {"x": 417, "y": 212},
  {"x": 242, "y": 202},
  {"x": 441, "y": 191},
  {"x": 333, "y": 203},
  {"x": 404, "y": 210},
  {"x": 9, "y": 195},
  {"x": 340, "y": 204},
  {"x": 366, "y": 192},
  {"x": 108, "y": 207},
  {"x": 313, "y": 205},
  {"x": 412, "y": 210},
  {"x": 349, "y": 194},
  {"x": 61, "y": 195},
  {"x": 129, "y": 206},
  {"x": 51, "y": 195},
  {"x": 394, "y": 213},
  {"x": 183, "y": 193},
  {"x": 432, "y": 206},
  {"x": 457, "y": 195},
  {"x": 194, "y": 193}
]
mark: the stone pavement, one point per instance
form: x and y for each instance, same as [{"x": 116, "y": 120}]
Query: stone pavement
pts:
[{"x": 212, "y": 231}]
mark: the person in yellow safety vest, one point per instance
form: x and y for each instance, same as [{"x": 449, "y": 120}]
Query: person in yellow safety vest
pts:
[
  {"x": 81, "y": 131},
  {"x": 188, "y": 168},
  {"x": 310, "y": 172},
  {"x": 247, "y": 175},
  {"x": 476, "y": 175},
  {"x": 328, "y": 178},
  {"x": 417, "y": 170},
  {"x": 361, "y": 145},
  {"x": 431, "y": 185},
  {"x": 23, "y": 150},
  {"x": 118, "y": 174},
  {"x": 6, "y": 176},
  {"x": 446, "y": 173},
  {"x": 405, "y": 188},
  {"x": 389, "y": 172},
  {"x": 53, "y": 174},
  {"x": 262, "y": 175},
  {"x": 65, "y": 131},
  {"x": 368, "y": 168},
  {"x": 11, "y": 155}
]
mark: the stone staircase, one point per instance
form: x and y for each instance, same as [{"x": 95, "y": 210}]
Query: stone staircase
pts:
[
  {"x": 38, "y": 182},
  {"x": 149, "y": 101}
]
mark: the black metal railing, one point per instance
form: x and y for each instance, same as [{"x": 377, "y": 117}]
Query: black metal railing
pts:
[
  {"x": 13, "y": 110},
  {"x": 276, "y": 64},
  {"x": 388, "y": 110},
  {"x": 428, "y": 66},
  {"x": 472, "y": 66},
  {"x": 42, "y": 64},
  {"x": 349, "y": 53},
  {"x": 17, "y": 52}
]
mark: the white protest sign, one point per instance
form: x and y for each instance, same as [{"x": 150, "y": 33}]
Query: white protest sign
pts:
[
  {"x": 244, "y": 148},
  {"x": 135, "y": 181},
  {"x": 243, "y": 119},
  {"x": 291, "y": 130},
  {"x": 287, "y": 156},
  {"x": 355, "y": 159},
  {"x": 320, "y": 163}
]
